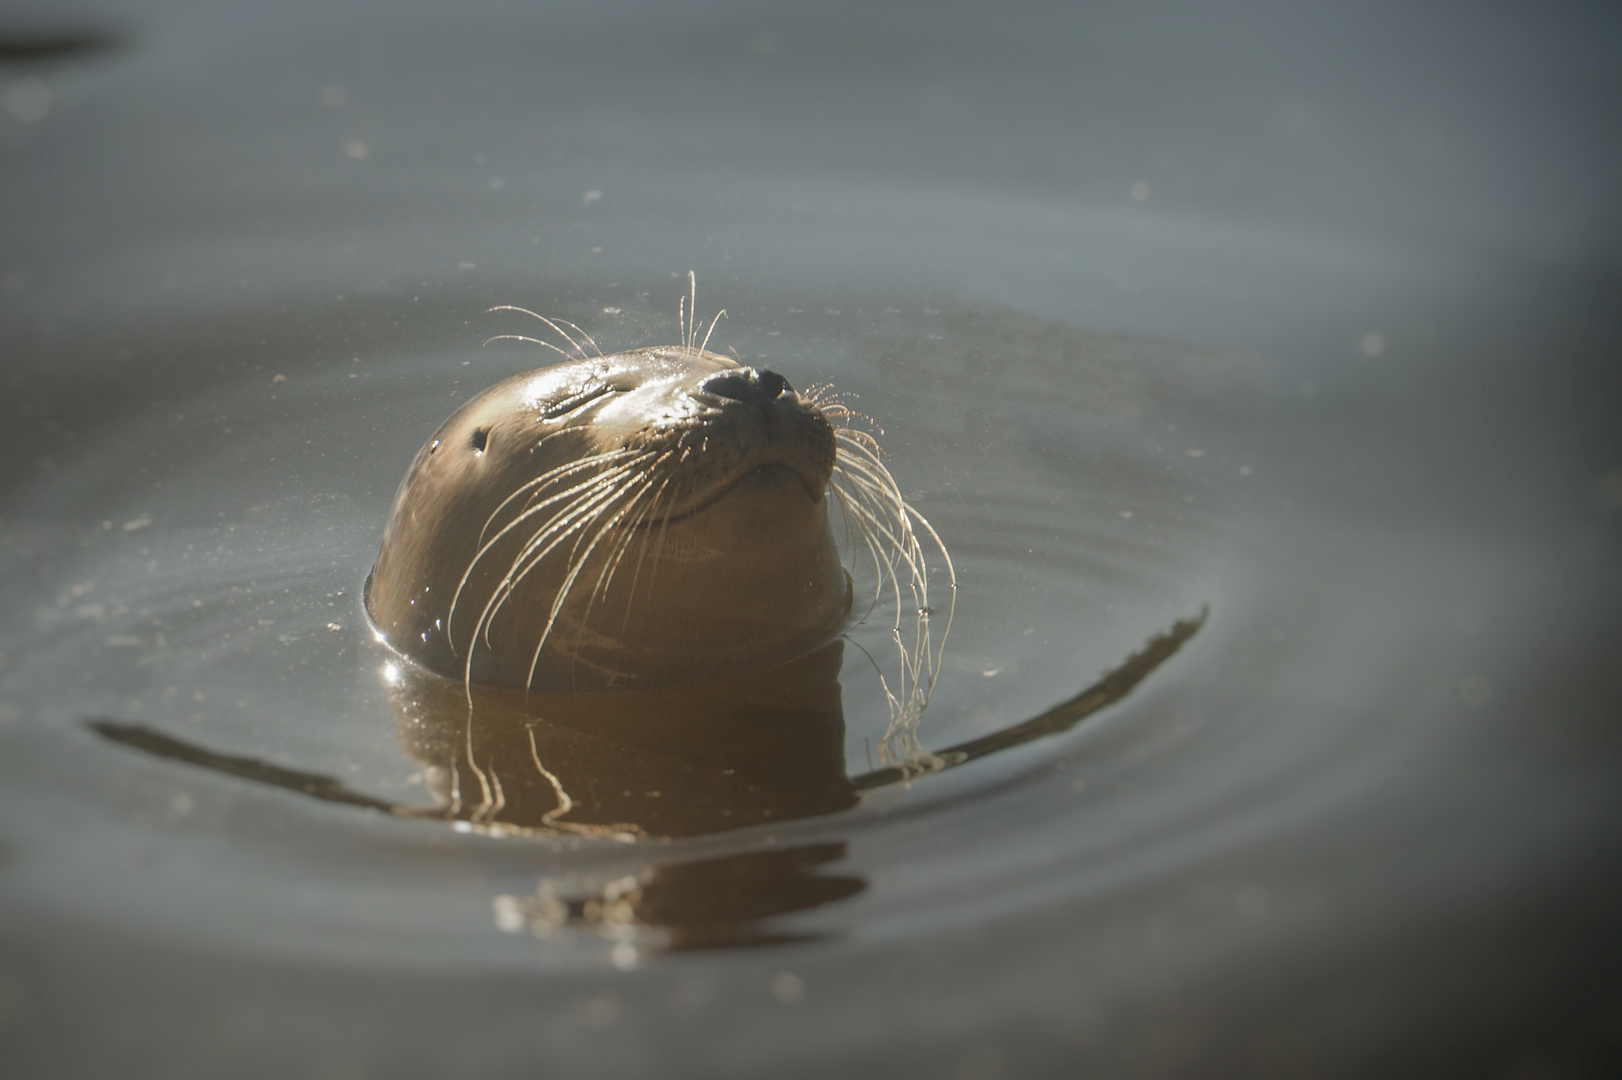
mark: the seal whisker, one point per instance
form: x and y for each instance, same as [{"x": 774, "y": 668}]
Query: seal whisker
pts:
[
  {"x": 907, "y": 666},
  {"x": 505, "y": 588},
  {"x": 620, "y": 541},
  {"x": 627, "y": 535},
  {"x": 897, "y": 709},
  {"x": 841, "y": 415},
  {"x": 532, "y": 486},
  {"x": 602, "y": 481},
  {"x": 884, "y": 506},
  {"x": 647, "y": 513},
  {"x": 867, "y": 458},
  {"x": 855, "y": 517},
  {"x": 868, "y": 494},
  {"x": 606, "y": 477},
  {"x": 586, "y": 515},
  {"x": 621, "y": 545},
  {"x": 577, "y": 564},
  {"x": 951, "y": 586},
  {"x": 860, "y": 466},
  {"x": 564, "y": 334},
  {"x": 901, "y": 739},
  {"x": 535, "y": 550},
  {"x": 532, "y": 341},
  {"x": 877, "y": 530},
  {"x": 711, "y": 330},
  {"x": 858, "y": 440},
  {"x": 571, "y": 520},
  {"x": 664, "y": 527},
  {"x": 589, "y": 340},
  {"x": 868, "y": 487},
  {"x": 864, "y": 520},
  {"x": 692, "y": 308},
  {"x": 881, "y": 501}
]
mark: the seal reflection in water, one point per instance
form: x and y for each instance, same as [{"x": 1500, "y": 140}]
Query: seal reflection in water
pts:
[{"x": 760, "y": 747}]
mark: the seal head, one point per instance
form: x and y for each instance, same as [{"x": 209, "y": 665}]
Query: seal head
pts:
[{"x": 630, "y": 521}]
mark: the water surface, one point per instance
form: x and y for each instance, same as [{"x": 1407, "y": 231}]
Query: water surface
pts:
[{"x": 1365, "y": 816}]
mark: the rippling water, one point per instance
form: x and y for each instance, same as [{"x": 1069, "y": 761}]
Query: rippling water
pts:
[{"x": 1365, "y": 817}]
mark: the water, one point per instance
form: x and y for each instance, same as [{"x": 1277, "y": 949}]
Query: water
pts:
[{"x": 1364, "y": 818}]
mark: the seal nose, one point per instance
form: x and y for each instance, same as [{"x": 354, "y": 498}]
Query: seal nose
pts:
[
  {"x": 747, "y": 385},
  {"x": 772, "y": 384}
]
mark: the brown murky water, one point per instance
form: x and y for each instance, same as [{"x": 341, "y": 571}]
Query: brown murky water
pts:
[{"x": 1364, "y": 816}]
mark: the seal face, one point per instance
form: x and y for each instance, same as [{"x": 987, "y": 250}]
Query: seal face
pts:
[{"x": 628, "y": 521}]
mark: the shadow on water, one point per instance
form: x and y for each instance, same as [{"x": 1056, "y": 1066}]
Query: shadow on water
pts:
[{"x": 757, "y": 748}]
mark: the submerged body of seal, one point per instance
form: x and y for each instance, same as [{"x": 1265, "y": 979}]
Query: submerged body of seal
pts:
[{"x": 614, "y": 522}]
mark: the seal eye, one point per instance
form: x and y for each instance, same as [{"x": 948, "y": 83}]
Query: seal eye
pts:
[
  {"x": 570, "y": 404},
  {"x": 481, "y": 438}
]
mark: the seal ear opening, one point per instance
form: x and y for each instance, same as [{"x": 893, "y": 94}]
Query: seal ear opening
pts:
[{"x": 481, "y": 439}]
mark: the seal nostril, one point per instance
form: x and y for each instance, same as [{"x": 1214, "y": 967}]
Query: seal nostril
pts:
[
  {"x": 747, "y": 385},
  {"x": 481, "y": 438},
  {"x": 731, "y": 385},
  {"x": 772, "y": 384}
]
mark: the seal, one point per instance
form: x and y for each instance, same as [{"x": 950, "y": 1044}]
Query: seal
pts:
[{"x": 617, "y": 522}]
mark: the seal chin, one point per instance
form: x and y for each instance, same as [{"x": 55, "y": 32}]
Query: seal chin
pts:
[
  {"x": 772, "y": 473},
  {"x": 627, "y": 521},
  {"x": 752, "y": 579}
]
